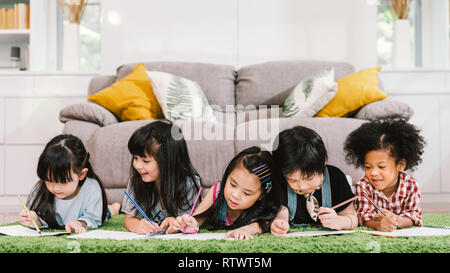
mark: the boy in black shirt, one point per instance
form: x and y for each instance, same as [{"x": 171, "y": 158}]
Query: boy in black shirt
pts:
[{"x": 312, "y": 187}]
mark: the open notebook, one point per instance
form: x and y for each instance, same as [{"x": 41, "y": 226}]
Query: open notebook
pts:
[
  {"x": 122, "y": 235},
  {"x": 18, "y": 230},
  {"x": 412, "y": 232},
  {"x": 318, "y": 233}
]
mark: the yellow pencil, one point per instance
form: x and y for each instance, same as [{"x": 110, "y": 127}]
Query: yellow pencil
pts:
[{"x": 25, "y": 208}]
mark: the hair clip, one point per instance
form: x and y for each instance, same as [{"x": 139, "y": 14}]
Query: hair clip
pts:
[{"x": 263, "y": 172}]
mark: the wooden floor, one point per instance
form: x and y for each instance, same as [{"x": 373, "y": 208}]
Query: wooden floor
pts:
[{"x": 8, "y": 214}]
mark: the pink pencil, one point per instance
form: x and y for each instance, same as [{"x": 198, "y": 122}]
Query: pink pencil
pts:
[
  {"x": 193, "y": 206},
  {"x": 341, "y": 204},
  {"x": 345, "y": 202},
  {"x": 196, "y": 199}
]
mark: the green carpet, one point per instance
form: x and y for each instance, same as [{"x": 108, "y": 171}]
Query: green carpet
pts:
[{"x": 348, "y": 243}]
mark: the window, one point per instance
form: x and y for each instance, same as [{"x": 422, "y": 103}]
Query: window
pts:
[
  {"x": 89, "y": 37},
  {"x": 429, "y": 33},
  {"x": 385, "y": 25}
]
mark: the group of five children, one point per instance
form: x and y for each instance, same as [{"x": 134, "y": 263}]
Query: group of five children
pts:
[{"x": 259, "y": 192}]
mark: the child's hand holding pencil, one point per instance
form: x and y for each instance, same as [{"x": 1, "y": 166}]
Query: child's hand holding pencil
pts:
[
  {"x": 146, "y": 227},
  {"x": 187, "y": 224},
  {"x": 387, "y": 221},
  {"x": 27, "y": 218}
]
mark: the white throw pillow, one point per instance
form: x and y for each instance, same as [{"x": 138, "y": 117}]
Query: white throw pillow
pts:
[
  {"x": 180, "y": 98},
  {"x": 310, "y": 95}
]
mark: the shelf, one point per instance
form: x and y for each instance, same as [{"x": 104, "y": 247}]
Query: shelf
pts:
[
  {"x": 14, "y": 31},
  {"x": 14, "y": 36}
]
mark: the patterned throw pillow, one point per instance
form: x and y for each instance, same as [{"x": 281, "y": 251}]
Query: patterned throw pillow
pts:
[
  {"x": 310, "y": 95},
  {"x": 180, "y": 98}
]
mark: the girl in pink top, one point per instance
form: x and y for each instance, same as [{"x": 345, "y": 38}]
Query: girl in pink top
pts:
[{"x": 245, "y": 202}]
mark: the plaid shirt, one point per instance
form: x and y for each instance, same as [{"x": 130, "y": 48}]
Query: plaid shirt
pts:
[{"x": 404, "y": 202}]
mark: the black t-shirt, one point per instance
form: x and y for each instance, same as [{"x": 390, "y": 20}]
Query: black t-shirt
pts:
[{"x": 340, "y": 192}]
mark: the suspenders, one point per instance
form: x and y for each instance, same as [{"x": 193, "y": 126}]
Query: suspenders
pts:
[{"x": 326, "y": 198}]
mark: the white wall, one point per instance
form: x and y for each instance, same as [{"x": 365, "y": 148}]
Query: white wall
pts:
[
  {"x": 237, "y": 32},
  {"x": 427, "y": 92},
  {"x": 29, "y": 109},
  {"x": 435, "y": 31}
]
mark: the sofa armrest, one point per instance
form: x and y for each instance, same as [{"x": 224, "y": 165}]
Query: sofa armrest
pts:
[
  {"x": 88, "y": 111},
  {"x": 385, "y": 109}
]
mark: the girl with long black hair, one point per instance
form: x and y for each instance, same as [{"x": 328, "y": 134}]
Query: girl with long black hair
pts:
[{"x": 162, "y": 182}]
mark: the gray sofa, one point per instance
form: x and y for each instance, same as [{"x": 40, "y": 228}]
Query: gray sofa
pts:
[{"x": 250, "y": 89}]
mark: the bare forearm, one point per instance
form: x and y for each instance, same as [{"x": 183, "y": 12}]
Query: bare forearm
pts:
[
  {"x": 349, "y": 221},
  {"x": 131, "y": 223},
  {"x": 283, "y": 214},
  {"x": 252, "y": 228},
  {"x": 404, "y": 222}
]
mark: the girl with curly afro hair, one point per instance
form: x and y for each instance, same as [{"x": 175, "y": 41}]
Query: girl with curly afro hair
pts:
[{"x": 387, "y": 197}]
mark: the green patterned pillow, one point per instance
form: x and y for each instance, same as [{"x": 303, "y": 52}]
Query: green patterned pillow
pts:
[
  {"x": 180, "y": 98},
  {"x": 310, "y": 95}
]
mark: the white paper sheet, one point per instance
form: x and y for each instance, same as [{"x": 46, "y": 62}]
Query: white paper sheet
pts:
[
  {"x": 412, "y": 232},
  {"x": 121, "y": 235},
  {"x": 18, "y": 230},
  {"x": 318, "y": 233}
]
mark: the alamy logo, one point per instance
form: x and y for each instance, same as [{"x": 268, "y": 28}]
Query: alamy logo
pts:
[
  {"x": 73, "y": 247},
  {"x": 258, "y": 125}
]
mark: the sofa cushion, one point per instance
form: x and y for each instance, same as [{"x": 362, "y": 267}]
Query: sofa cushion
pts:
[
  {"x": 354, "y": 91},
  {"x": 270, "y": 83},
  {"x": 130, "y": 98},
  {"x": 385, "y": 109},
  {"x": 310, "y": 95},
  {"x": 334, "y": 131},
  {"x": 180, "y": 98},
  {"x": 217, "y": 81}
]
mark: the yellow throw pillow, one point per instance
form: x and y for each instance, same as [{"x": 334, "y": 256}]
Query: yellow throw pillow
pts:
[
  {"x": 354, "y": 91},
  {"x": 130, "y": 98}
]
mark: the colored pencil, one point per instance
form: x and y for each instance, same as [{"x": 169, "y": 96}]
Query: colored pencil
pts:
[
  {"x": 196, "y": 200},
  {"x": 28, "y": 212},
  {"x": 342, "y": 203},
  {"x": 193, "y": 206},
  {"x": 345, "y": 202},
  {"x": 139, "y": 208},
  {"x": 373, "y": 203}
]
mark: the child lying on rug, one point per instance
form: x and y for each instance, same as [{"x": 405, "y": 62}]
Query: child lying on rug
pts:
[
  {"x": 69, "y": 194},
  {"x": 163, "y": 181},
  {"x": 246, "y": 200},
  {"x": 312, "y": 187},
  {"x": 385, "y": 149}
]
